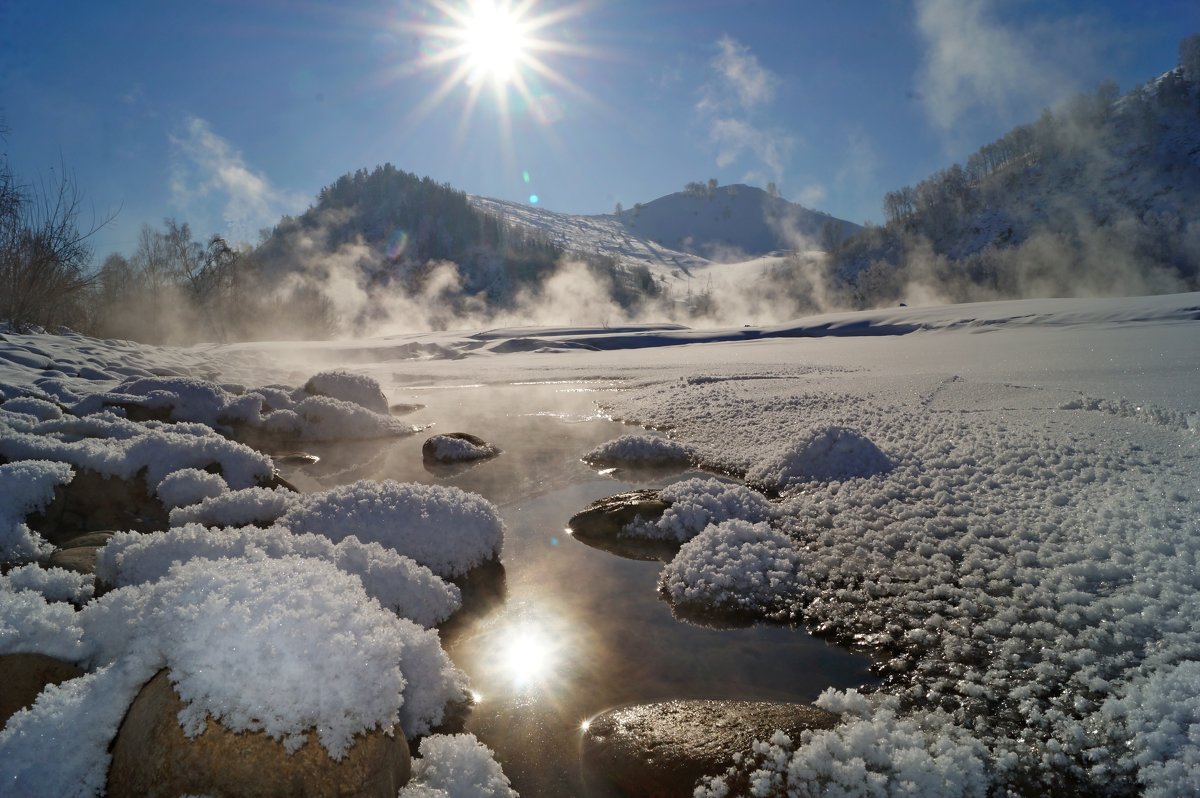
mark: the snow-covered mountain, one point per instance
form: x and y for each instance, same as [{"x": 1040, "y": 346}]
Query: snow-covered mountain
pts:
[{"x": 686, "y": 230}]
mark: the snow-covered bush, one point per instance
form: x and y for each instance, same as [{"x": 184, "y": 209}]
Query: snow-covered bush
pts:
[
  {"x": 873, "y": 752},
  {"x": 641, "y": 451},
  {"x": 357, "y": 388},
  {"x": 456, "y": 766},
  {"x": 445, "y": 529},
  {"x": 696, "y": 503},
  {"x": 397, "y": 582},
  {"x": 189, "y": 486},
  {"x": 823, "y": 454},
  {"x": 736, "y": 567},
  {"x": 28, "y": 487}
]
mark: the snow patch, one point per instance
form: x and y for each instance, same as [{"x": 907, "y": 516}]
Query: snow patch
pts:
[
  {"x": 28, "y": 487},
  {"x": 189, "y": 486},
  {"x": 698, "y": 502}
]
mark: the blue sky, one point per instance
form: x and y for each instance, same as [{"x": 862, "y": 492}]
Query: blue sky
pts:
[{"x": 228, "y": 114}]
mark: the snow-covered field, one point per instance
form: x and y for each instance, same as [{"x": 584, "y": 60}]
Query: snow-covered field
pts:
[{"x": 1000, "y": 499}]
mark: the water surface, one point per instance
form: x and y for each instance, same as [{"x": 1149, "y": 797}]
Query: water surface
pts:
[{"x": 579, "y": 630}]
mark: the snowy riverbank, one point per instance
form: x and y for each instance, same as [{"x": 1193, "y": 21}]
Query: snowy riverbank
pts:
[{"x": 1024, "y": 564}]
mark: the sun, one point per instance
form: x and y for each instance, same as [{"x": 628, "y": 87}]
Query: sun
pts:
[
  {"x": 509, "y": 45},
  {"x": 495, "y": 40}
]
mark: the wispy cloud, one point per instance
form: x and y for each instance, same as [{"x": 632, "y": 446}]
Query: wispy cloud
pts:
[
  {"x": 209, "y": 177},
  {"x": 976, "y": 63},
  {"x": 739, "y": 78},
  {"x": 739, "y": 88}
]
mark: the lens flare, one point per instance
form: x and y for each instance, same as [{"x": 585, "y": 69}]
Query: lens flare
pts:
[{"x": 397, "y": 243}]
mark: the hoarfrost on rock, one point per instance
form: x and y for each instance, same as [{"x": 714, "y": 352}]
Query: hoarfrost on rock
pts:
[
  {"x": 696, "y": 503},
  {"x": 28, "y": 487},
  {"x": 349, "y": 387},
  {"x": 456, "y": 766},
  {"x": 445, "y": 529},
  {"x": 641, "y": 451},
  {"x": 736, "y": 567},
  {"x": 189, "y": 486}
]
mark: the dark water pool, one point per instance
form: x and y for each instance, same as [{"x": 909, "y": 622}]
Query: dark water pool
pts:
[{"x": 579, "y": 630}]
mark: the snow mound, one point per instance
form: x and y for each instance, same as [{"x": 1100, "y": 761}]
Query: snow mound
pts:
[
  {"x": 456, "y": 766},
  {"x": 31, "y": 406},
  {"x": 259, "y": 506},
  {"x": 696, "y": 503},
  {"x": 29, "y": 624},
  {"x": 182, "y": 398},
  {"x": 641, "y": 451},
  {"x": 324, "y": 418},
  {"x": 116, "y": 447},
  {"x": 736, "y": 567},
  {"x": 189, "y": 486},
  {"x": 55, "y": 584},
  {"x": 28, "y": 487},
  {"x": 222, "y": 628},
  {"x": 397, "y": 582},
  {"x": 445, "y": 529},
  {"x": 357, "y": 388},
  {"x": 824, "y": 454},
  {"x": 873, "y": 751}
]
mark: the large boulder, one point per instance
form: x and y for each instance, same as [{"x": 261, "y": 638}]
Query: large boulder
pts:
[
  {"x": 151, "y": 756},
  {"x": 661, "y": 750},
  {"x": 24, "y": 676}
]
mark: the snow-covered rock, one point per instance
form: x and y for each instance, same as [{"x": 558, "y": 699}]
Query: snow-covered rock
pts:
[
  {"x": 822, "y": 454},
  {"x": 445, "y": 529},
  {"x": 456, "y": 766},
  {"x": 736, "y": 567},
  {"x": 698, "y": 502},
  {"x": 349, "y": 387},
  {"x": 641, "y": 451}
]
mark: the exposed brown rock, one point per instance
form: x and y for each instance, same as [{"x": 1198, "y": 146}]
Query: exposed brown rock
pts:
[
  {"x": 90, "y": 539},
  {"x": 81, "y": 559},
  {"x": 152, "y": 757},
  {"x": 601, "y": 523},
  {"x": 24, "y": 676},
  {"x": 661, "y": 750},
  {"x": 92, "y": 502}
]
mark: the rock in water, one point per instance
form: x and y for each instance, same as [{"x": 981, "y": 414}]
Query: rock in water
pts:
[
  {"x": 601, "y": 524},
  {"x": 152, "y": 757},
  {"x": 457, "y": 447},
  {"x": 661, "y": 750},
  {"x": 23, "y": 676}
]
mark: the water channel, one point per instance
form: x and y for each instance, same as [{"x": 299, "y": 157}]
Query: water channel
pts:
[{"x": 577, "y": 631}]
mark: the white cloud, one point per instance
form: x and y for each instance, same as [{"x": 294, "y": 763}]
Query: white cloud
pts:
[
  {"x": 739, "y": 77},
  {"x": 738, "y": 87},
  {"x": 977, "y": 64},
  {"x": 209, "y": 176}
]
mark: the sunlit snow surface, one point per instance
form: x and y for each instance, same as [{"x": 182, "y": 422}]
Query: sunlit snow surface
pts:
[{"x": 1026, "y": 565}]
